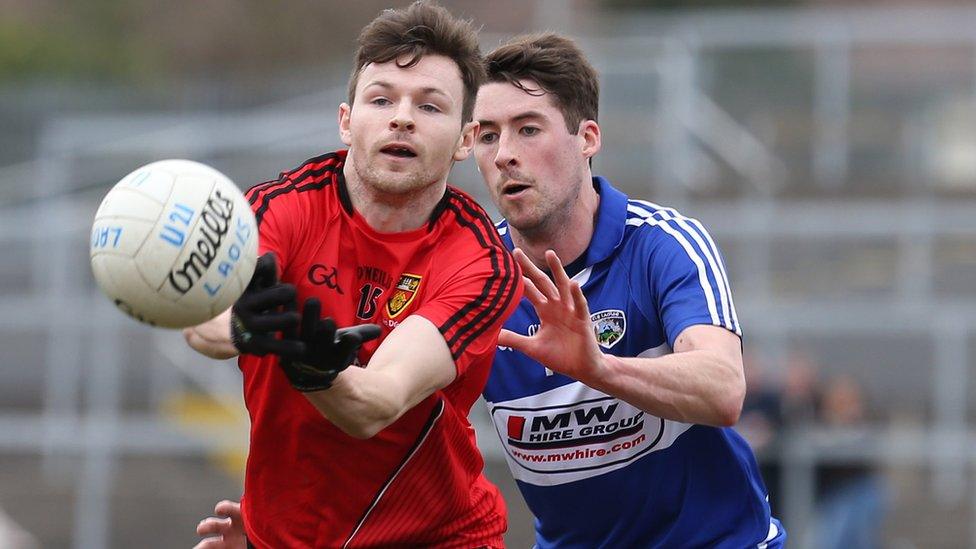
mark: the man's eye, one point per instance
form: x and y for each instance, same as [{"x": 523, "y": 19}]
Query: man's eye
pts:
[
  {"x": 487, "y": 138},
  {"x": 529, "y": 130},
  {"x": 430, "y": 108},
  {"x": 380, "y": 101}
]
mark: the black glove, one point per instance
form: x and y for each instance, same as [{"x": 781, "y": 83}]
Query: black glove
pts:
[
  {"x": 328, "y": 351},
  {"x": 265, "y": 308}
]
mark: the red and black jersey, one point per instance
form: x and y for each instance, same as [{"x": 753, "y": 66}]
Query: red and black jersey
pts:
[{"x": 419, "y": 481}]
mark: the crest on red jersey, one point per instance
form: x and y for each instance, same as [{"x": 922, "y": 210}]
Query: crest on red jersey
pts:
[{"x": 403, "y": 294}]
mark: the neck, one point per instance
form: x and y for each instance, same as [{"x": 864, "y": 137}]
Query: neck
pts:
[
  {"x": 568, "y": 235},
  {"x": 389, "y": 212}
]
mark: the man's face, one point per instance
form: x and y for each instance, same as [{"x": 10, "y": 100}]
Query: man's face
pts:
[
  {"x": 533, "y": 166},
  {"x": 404, "y": 128}
]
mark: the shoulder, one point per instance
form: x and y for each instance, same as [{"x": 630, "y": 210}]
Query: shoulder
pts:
[
  {"x": 653, "y": 227},
  {"x": 312, "y": 175},
  {"x": 469, "y": 222},
  {"x": 469, "y": 246},
  {"x": 653, "y": 219}
]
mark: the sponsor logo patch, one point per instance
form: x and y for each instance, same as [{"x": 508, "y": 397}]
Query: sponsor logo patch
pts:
[
  {"x": 579, "y": 439},
  {"x": 403, "y": 294}
]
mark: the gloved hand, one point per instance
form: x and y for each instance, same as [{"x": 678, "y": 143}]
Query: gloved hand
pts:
[
  {"x": 265, "y": 308},
  {"x": 327, "y": 351}
]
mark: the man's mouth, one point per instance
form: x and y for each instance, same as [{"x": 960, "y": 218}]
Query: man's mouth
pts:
[
  {"x": 400, "y": 151},
  {"x": 511, "y": 189}
]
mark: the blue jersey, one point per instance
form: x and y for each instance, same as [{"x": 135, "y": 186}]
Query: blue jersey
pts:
[{"x": 596, "y": 471}]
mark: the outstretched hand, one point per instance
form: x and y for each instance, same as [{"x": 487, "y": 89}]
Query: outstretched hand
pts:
[
  {"x": 327, "y": 349},
  {"x": 225, "y": 531},
  {"x": 565, "y": 342},
  {"x": 266, "y": 308}
]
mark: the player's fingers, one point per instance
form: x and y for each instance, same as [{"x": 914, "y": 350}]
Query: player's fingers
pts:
[
  {"x": 533, "y": 294},
  {"x": 366, "y": 332},
  {"x": 276, "y": 296},
  {"x": 228, "y": 508},
  {"x": 285, "y": 348},
  {"x": 265, "y": 272},
  {"x": 346, "y": 344},
  {"x": 211, "y": 543},
  {"x": 311, "y": 313},
  {"x": 508, "y": 338},
  {"x": 582, "y": 308},
  {"x": 326, "y": 330},
  {"x": 535, "y": 274},
  {"x": 273, "y": 322},
  {"x": 190, "y": 336},
  {"x": 559, "y": 275},
  {"x": 290, "y": 332},
  {"x": 212, "y": 526}
]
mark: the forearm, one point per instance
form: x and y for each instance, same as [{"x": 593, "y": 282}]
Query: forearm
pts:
[
  {"x": 412, "y": 363},
  {"x": 698, "y": 386},
  {"x": 360, "y": 402}
]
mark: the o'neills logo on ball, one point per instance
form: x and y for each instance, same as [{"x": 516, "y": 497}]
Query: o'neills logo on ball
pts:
[{"x": 215, "y": 223}]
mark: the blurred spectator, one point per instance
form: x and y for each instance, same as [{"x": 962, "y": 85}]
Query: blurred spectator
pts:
[
  {"x": 799, "y": 389},
  {"x": 760, "y": 424},
  {"x": 762, "y": 415},
  {"x": 852, "y": 495}
]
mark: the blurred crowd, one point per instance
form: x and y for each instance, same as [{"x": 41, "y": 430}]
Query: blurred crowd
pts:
[{"x": 795, "y": 401}]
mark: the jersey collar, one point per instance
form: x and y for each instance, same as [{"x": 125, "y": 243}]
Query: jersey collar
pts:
[{"x": 611, "y": 218}]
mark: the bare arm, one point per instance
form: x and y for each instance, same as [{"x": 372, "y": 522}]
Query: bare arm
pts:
[
  {"x": 411, "y": 363},
  {"x": 701, "y": 382},
  {"x": 212, "y": 338}
]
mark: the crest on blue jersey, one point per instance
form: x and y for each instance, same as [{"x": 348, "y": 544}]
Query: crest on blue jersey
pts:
[{"x": 609, "y": 326}]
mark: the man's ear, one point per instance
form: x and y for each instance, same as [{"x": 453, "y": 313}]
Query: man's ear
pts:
[
  {"x": 466, "y": 140},
  {"x": 345, "y": 111},
  {"x": 589, "y": 131}
]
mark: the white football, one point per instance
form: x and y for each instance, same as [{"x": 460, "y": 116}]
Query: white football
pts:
[{"x": 174, "y": 243}]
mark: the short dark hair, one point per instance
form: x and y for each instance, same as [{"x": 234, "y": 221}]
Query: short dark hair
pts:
[
  {"x": 422, "y": 29},
  {"x": 557, "y": 65}
]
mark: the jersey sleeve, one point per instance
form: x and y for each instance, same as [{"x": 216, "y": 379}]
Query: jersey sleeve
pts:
[
  {"x": 470, "y": 307},
  {"x": 685, "y": 278},
  {"x": 275, "y": 228}
]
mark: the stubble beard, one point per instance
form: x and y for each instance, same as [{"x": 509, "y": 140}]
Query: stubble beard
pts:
[
  {"x": 399, "y": 185},
  {"x": 543, "y": 221}
]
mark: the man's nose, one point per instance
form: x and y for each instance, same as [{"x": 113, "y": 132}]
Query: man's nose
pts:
[
  {"x": 505, "y": 156},
  {"x": 402, "y": 119}
]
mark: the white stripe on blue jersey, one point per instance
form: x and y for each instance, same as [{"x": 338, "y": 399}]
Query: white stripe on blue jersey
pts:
[
  {"x": 721, "y": 266},
  {"x": 679, "y": 227},
  {"x": 711, "y": 254},
  {"x": 646, "y": 218},
  {"x": 669, "y": 214}
]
